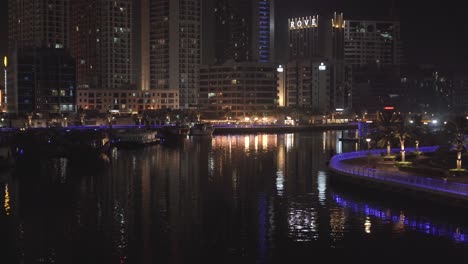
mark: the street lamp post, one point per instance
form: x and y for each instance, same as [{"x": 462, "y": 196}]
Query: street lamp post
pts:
[{"x": 368, "y": 151}]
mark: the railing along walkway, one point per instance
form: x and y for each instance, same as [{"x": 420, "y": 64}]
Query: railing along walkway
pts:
[{"x": 409, "y": 179}]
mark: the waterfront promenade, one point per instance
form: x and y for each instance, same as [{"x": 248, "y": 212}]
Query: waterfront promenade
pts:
[{"x": 356, "y": 167}]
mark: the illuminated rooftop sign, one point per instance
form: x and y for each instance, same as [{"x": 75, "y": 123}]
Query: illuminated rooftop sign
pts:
[
  {"x": 5, "y": 61},
  {"x": 303, "y": 22},
  {"x": 389, "y": 108}
]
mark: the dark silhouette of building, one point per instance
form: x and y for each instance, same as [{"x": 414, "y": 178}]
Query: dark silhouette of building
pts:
[{"x": 42, "y": 80}]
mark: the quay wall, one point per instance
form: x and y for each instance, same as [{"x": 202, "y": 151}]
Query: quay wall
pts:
[{"x": 417, "y": 186}]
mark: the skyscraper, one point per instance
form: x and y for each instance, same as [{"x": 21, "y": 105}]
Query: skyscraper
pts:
[
  {"x": 239, "y": 30},
  {"x": 38, "y": 23},
  {"x": 102, "y": 43},
  {"x": 374, "y": 51},
  {"x": 316, "y": 74},
  {"x": 175, "y": 47},
  {"x": 373, "y": 42}
]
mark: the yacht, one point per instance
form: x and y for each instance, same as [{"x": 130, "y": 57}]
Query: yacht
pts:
[
  {"x": 138, "y": 137},
  {"x": 202, "y": 129}
]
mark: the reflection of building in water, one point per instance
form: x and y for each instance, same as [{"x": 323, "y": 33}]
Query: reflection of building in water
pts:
[{"x": 337, "y": 225}]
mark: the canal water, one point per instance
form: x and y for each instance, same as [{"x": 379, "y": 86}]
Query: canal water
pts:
[{"x": 262, "y": 198}]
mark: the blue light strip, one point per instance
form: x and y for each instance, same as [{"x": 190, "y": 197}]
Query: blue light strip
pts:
[
  {"x": 421, "y": 225},
  {"x": 419, "y": 181}
]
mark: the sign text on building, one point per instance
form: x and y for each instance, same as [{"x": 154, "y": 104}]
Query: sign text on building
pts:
[{"x": 303, "y": 22}]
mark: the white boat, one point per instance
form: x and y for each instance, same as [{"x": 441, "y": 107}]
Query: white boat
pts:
[
  {"x": 136, "y": 138},
  {"x": 202, "y": 129}
]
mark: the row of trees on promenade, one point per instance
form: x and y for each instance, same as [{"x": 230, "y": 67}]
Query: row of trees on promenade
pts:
[{"x": 392, "y": 128}]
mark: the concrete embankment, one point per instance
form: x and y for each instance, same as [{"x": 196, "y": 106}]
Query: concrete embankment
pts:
[{"x": 394, "y": 182}]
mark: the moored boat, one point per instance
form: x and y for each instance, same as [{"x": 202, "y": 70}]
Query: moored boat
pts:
[
  {"x": 134, "y": 138},
  {"x": 176, "y": 131},
  {"x": 202, "y": 129}
]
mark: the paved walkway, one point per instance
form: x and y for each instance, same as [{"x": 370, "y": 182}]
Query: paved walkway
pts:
[{"x": 362, "y": 164}]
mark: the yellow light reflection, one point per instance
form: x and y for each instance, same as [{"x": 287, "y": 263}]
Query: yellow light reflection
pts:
[
  {"x": 6, "y": 204},
  {"x": 246, "y": 143},
  {"x": 256, "y": 142},
  {"x": 324, "y": 141},
  {"x": 265, "y": 142}
]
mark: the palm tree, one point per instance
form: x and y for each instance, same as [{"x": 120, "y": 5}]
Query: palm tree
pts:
[
  {"x": 402, "y": 132},
  {"x": 385, "y": 130},
  {"x": 457, "y": 128}
]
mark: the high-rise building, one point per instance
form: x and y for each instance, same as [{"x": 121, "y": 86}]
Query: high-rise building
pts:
[
  {"x": 38, "y": 23},
  {"x": 374, "y": 51},
  {"x": 41, "y": 71},
  {"x": 101, "y": 35},
  {"x": 303, "y": 37},
  {"x": 373, "y": 42},
  {"x": 316, "y": 75},
  {"x": 239, "y": 30},
  {"x": 175, "y": 47},
  {"x": 141, "y": 44}
]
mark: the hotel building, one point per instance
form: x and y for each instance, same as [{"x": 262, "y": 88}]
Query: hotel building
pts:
[
  {"x": 126, "y": 101},
  {"x": 238, "y": 90},
  {"x": 316, "y": 75}
]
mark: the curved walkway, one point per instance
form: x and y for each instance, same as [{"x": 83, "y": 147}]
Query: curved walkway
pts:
[{"x": 380, "y": 174}]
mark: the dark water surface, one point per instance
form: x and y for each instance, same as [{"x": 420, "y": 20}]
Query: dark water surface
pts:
[{"x": 229, "y": 199}]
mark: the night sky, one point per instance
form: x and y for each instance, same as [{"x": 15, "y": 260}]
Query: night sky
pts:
[{"x": 431, "y": 32}]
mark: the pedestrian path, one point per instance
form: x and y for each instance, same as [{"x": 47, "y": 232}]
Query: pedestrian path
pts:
[{"x": 384, "y": 173}]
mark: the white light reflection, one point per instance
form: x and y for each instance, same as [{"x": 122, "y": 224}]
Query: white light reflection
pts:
[
  {"x": 302, "y": 225},
  {"x": 256, "y": 143},
  {"x": 289, "y": 141},
  {"x": 279, "y": 182},
  {"x": 367, "y": 225},
  {"x": 322, "y": 187},
  {"x": 63, "y": 170}
]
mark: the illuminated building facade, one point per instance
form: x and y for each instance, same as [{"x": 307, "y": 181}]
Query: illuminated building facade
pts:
[
  {"x": 101, "y": 35},
  {"x": 238, "y": 89},
  {"x": 303, "y": 37},
  {"x": 126, "y": 101},
  {"x": 175, "y": 47},
  {"x": 316, "y": 74}
]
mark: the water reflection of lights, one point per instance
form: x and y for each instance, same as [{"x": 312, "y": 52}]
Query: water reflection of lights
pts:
[
  {"x": 63, "y": 170},
  {"x": 119, "y": 217},
  {"x": 256, "y": 143},
  {"x": 6, "y": 204},
  {"x": 367, "y": 225},
  {"x": 401, "y": 221},
  {"x": 324, "y": 141},
  {"x": 289, "y": 141},
  {"x": 301, "y": 224},
  {"x": 115, "y": 154},
  {"x": 264, "y": 142},
  {"x": 322, "y": 186},
  {"x": 279, "y": 182},
  {"x": 246, "y": 143}
]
